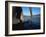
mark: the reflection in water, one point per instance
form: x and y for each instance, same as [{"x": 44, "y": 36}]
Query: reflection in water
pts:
[{"x": 32, "y": 24}]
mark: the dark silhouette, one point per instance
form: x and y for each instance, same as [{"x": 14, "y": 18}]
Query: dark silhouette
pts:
[{"x": 17, "y": 13}]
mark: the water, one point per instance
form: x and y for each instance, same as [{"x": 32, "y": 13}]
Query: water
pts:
[
  {"x": 28, "y": 23},
  {"x": 33, "y": 23}
]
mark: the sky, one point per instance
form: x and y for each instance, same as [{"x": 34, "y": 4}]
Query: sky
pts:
[
  {"x": 35, "y": 11},
  {"x": 26, "y": 11}
]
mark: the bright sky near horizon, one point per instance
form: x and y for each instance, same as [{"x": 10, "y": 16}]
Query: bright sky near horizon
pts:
[
  {"x": 26, "y": 11},
  {"x": 35, "y": 11}
]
